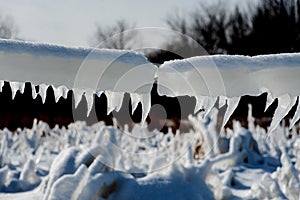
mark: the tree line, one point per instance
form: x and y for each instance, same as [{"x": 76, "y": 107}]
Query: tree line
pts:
[{"x": 272, "y": 26}]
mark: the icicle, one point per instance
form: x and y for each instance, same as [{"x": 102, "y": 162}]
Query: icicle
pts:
[
  {"x": 109, "y": 97},
  {"x": 77, "y": 96},
  {"x": 14, "y": 89},
  {"x": 296, "y": 116},
  {"x": 270, "y": 100},
  {"x": 57, "y": 94},
  {"x": 16, "y": 86},
  {"x": 118, "y": 100},
  {"x": 222, "y": 101},
  {"x": 114, "y": 101},
  {"x": 22, "y": 88},
  {"x": 89, "y": 96},
  {"x": 250, "y": 119},
  {"x": 146, "y": 106},
  {"x": 210, "y": 104},
  {"x": 1, "y": 85},
  {"x": 43, "y": 91},
  {"x": 135, "y": 99},
  {"x": 285, "y": 103},
  {"x": 34, "y": 93},
  {"x": 232, "y": 103},
  {"x": 99, "y": 93},
  {"x": 204, "y": 102},
  {"x": 199, "y": 103},
  {"x": 61, "y": 91}
]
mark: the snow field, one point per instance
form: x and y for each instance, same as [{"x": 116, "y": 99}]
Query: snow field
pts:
[{"x": 101, "y": 162}]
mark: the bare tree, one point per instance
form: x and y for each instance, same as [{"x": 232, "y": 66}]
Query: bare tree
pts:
[
  {"x": 208, "y": 25},
  {"x": 274, "y": 28},
  {"x": 8, "y": 28},
  {"x": 177, "y": 22},
  {"x": 116, "y": 36},
  {"x": 210, "y": 28}
]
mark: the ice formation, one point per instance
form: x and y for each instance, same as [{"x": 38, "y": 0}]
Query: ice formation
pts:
[
  {"x": 230, "y": 77},
  {"x": 114, "y": 101},
  {"x": 86, "y": 71},
  {"x": 16, "y": 86},
  {"x": 89, "y": 71}
]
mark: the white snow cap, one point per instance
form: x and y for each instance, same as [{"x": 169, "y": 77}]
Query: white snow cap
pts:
[
  {"x": 231, "y": 77},
  {"x": 88, "y": 71}
]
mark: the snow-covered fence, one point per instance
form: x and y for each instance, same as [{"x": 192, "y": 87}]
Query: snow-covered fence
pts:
[
  {"x": 210, "y": 79},
  {"x": 67, "y": 163}
]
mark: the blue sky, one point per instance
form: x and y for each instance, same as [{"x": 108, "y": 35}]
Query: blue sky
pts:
[{"x": 72, "y": 22}]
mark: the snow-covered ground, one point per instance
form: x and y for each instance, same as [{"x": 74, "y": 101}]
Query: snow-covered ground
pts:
[{"x": 102, "y": 162}]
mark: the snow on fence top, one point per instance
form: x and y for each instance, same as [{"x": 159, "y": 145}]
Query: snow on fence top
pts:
[
  {"x": 230, "y": 77},
  {"x": 42, "y": 49},
  {"x": 84, "y": 70},
  {"x": 59, "y": 65},
  {"x": 208, "y": 78}
]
